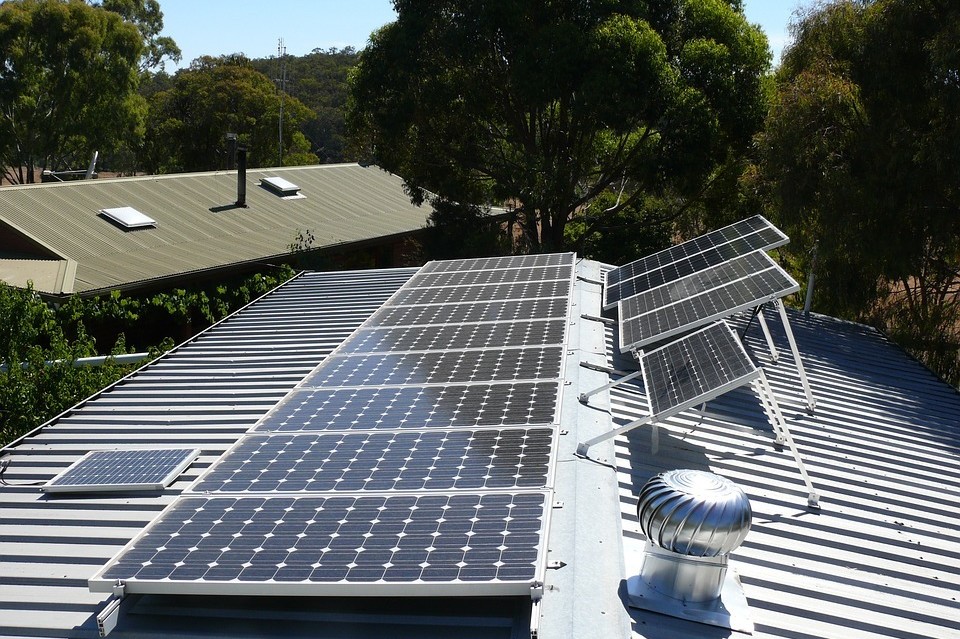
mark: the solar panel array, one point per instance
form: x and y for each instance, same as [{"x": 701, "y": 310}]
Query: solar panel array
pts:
[
  {"x": 417, "y": 458},
  {"x": 700, "y": 298},
  {"x": 700, "y": 253},
  {"x": 119, "y": 470}
]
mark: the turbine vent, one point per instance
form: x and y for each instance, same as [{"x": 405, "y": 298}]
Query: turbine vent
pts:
[{"x": 692, "y": 519}]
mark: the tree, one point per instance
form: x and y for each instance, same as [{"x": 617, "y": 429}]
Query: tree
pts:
[
  {"x": 148, "y": 18},
  {"x": 189, "y": 121},
  {"x": 547, "y": 107},
  {"x": 68, "y": 84},
  {"x": 859, "y": 157}
]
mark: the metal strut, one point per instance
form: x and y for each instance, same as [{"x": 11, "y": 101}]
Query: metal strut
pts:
[{"x": 811, "y": 402}]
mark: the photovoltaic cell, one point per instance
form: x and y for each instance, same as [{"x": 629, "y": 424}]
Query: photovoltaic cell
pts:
[
  {"x": 316, "y": 545},
  {"x": 756, "y": 225},
  {"x": 117, "y": 470},
  {"x": 482, "y": 293},
  {"x": 761, "y": 240},
  {"x": 491, "y": 276},
  {"x": 495, "y": 311},
  {"x": 443, "y": 407},
  {"x": 457, "y": 336},
  {"x": 491, "y": 263},
  {"x": 450, "y": 367},
  {"x": 382, "y": 461},
  {"x": 639, "y": 325},
  {"x": 695, "y": 368}
]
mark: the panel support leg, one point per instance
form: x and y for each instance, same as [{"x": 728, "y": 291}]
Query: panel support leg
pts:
[
  {"x": 583, "y": 447},
  {"x": 626, "y": 378},
  {"x": 774, "y": 355},
  {"x": 811, "y": 402},
  {"x": 784, "y": 437}
]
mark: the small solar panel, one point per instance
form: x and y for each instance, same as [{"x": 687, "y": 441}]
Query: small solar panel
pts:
[
  {"x": 462, "y": 294},
  {"x": 432, "y": 367},
  {"x": 128, "y": 217},
  {"x": 337, "y": 545},
  {"x": 457, "y": 336},
  {"x": 701, "y": 298},
  {"x": 694, "y": 369},
  {"x": 119, "y": 470},
  {"x": 493, "y": 311},
  {"x": 454, "y": 406},
  {"x": 384, "y": 461}
]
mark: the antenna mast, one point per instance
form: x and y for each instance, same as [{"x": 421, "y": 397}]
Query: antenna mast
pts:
[{"x": 282, "y": 80}]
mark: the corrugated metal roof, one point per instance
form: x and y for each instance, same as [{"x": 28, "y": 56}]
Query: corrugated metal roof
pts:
[
  {"x": 880, "y": 559},
  {"x": 205, "y": 393},
  {"x": 197, "y": 229},
  {"x": 882, "y": 556}
]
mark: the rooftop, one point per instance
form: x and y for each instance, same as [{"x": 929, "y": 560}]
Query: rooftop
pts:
[
  {"x": 57, "y": 236},
  {"x": 878, "y": 559}
]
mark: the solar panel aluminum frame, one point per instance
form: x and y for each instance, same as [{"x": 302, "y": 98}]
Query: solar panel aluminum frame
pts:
[
  {"x": 190, "y": 455},
  {"x": 192, "y": 489},
  {"x": 269, "y": 588},
  {"x": 636, "y": 345}
]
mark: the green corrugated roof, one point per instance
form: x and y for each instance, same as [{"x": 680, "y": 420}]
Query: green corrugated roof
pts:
[{"x": 343, "y": 203}]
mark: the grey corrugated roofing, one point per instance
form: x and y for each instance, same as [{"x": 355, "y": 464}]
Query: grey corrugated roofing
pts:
[
  {"x": 879, "y": 559},
  {"x": 342, "y": 204},
  {"x": 205, "y": 393}
]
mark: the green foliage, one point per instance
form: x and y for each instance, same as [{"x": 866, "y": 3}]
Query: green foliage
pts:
[
  {"x": 148, "y": 18},
  {"x": 189, "y": 121},
  {"x": 68, "y": 86},
  {"x": 859, "y": 156},
  {"x": 319, "y": 80},
  {"x": 617, "y": 235},
  {"x": 459, "y": 231},
  {"x": 548, "y": 107},
  {"x": 39, "y": 379}
]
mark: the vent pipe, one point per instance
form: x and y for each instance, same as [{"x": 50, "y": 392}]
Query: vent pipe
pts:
[
  {"x": 93, "y": 165},
  {"x": 692, "y": 519},
  {"x": 242, "y": 176}
]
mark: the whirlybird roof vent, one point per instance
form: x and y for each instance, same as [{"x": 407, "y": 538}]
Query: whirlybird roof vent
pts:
[{"x": 279, "y": 186}]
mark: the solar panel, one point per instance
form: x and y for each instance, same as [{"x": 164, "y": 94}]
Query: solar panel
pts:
[
  {"x": 385, "y": 461},
  {"x": 454, "y": 406},
  {"x": 491, "y": 276},
  {"x": 701, "y": 298},
  {"x": 457, "y": 336},
  {"x": 440, "y": 544},
  {"x": 490, "y": 263},
  {"x": 433, "y": 367},
  {"x": 754, "y": 233},
  {"x": 702, "y": 365},
  {"x": 493, "y": 311},
  {"x": 460, "y": 294},
  {"x": 120, "y": 470}
]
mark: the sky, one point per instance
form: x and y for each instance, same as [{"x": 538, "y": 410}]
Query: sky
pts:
[{"x": 253, "y": 27}]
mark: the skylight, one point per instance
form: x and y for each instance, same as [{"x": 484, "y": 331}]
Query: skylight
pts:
[
  {"x": 283, "y": 188},
  {"x": 128, "y": 217}
]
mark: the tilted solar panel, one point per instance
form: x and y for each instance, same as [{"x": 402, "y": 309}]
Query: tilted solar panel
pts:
[
  {"x": 701, "y": 298},
  {"x": 702, "y": 252},
  {"x": 698, "y": 367}
]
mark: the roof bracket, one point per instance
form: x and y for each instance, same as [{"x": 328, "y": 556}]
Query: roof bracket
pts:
[
  {"x": 107, "y": 618},
  {"x": 603, "y": 320}
]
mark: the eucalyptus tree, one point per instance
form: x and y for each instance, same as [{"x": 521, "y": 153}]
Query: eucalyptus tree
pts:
[
  {"x": 545, "y": 107},
  {"x": 861, "y": 159},
  {"x": 68, "y": 83}
]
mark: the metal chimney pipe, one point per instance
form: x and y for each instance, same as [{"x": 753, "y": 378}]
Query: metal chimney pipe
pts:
[
  {"x": 242, "y": 176},
  {"x": 93, "y": 166}
]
